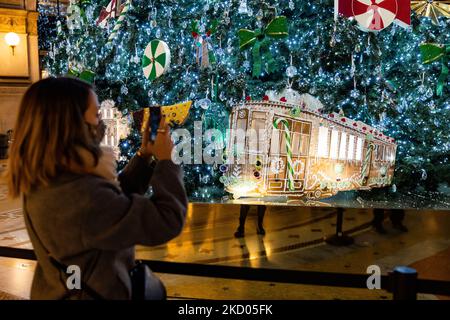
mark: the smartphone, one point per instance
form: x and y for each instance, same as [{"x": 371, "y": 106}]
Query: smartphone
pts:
[{"x": 155, "y": 119}]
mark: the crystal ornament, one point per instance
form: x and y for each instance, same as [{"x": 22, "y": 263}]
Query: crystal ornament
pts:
[
  {"x": 243, "y": 9},
  {"x": 291, "y": 71}
]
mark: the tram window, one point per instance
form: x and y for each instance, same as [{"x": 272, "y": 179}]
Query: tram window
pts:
[
  {"x": 241, "y": 124},
  {"x": 275, "y": 142},
  {"x": 296, "y": 126},
  {"x": 359, "y": 149},
  {"x": 256, "y": 135},
  {"x": 297, "y": 138},
  {"x": 334, "y": 144},
  {"x": 343, "y": 146},
  {"x": 304, "y": 145},
  {"x": 300, "y": 139},
  {"x": 392, "y": 155},
  {"x": 351, "y": 147},
  {"x": 296, "y": 141},
  {"x": 388, "y": 154},
  {"x": 283, "y": 145},
  {"x": 259, "y": 115},
  {"x": 252, "y": 138},
  {"x": 322, "y": 150},
  {"x": 380, "y": 152},
  {"x": 306, "y": 128}
]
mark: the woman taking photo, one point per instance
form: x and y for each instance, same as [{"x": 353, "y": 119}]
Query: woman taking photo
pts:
[{"x": 77, "y": 213}]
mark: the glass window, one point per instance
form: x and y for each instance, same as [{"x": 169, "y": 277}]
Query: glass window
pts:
[
  {"x": 334, "y": 145},
  {"x": 241, "y": 124},
  {"x": 275, "y": 142},
  {"x": 296, "y": 126},
  {"x": 252, "y": 137},
  {"x": 380, "y": 152},
  {"x": 322, "y": 145},
  {"x": 343, "y": 146},
  {"x": 306, "y": 128},
  {"x": 283, "y": 143},
  {"x": 304, "y": 145},
  {"x": 259, "y": 115},
  {"x": 359, "y": 149},
  {"x": 256, "y": 135},
  {"x": 351, "y": 147},
  {"x": 296, "y": 141}
]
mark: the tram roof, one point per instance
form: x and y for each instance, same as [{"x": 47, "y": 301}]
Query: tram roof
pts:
[{"x": 334, "y": 117}]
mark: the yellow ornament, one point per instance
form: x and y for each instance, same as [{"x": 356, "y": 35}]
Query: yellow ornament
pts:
[
  {"x": 176, "y": 113},
  {"x": 432, "y": 9}
]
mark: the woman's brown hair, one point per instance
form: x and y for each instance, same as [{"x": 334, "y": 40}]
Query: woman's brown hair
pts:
[{"x": 50, "y": 129}]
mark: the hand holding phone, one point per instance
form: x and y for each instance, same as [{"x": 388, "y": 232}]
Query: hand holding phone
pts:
[
  {"x": 161, "y": 146},
  {"x": 155, "y": 119}
]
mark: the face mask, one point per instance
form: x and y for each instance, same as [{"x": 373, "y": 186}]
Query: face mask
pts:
[{"x": 97, "y": 131}]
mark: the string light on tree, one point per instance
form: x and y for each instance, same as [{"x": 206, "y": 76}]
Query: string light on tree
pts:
[{"x": 387, "y": 82}]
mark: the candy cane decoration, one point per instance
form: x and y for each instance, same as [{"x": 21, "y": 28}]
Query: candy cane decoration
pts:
[
  {"x": 119, "y": 22},
  {"x": 287, "y": 136},
  {"x": 366, "y": 162}
]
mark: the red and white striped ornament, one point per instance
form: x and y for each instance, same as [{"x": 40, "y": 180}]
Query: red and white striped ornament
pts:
[
  {"x": 375, "y": 15},
  {"x": 107, "y": 13}
]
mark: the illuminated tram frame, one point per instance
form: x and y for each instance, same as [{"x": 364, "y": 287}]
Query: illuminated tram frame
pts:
[{"x": 330, "y": 153}]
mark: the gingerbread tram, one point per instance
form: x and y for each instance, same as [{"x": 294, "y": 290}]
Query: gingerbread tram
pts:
[{"x": 294, "y": 150}]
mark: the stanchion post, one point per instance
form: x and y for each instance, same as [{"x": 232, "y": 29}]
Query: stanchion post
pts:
[
  {"x": 404, "y": 283},
  {"x": 339, "y": 239}
]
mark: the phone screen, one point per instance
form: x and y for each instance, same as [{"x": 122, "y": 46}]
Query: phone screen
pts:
[{"x": 155, "y": 118}]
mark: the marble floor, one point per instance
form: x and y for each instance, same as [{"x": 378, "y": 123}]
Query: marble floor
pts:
[{"x": 294, "y": 240}]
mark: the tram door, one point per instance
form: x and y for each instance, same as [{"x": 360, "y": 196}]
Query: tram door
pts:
[
  {"x": 277, "y": 166},
  {"x": 367, "y": 160},
  {"x": 249, "y": 145}
]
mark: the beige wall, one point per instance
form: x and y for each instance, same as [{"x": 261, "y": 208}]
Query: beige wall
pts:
[
  {"x": 19, "y": 71},
  {"x": 14, "y": 65},
  {"x": 9, "y": 104}
]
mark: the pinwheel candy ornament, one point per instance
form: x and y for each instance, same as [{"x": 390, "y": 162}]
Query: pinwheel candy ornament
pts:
[{"x": 156, "y": 59}]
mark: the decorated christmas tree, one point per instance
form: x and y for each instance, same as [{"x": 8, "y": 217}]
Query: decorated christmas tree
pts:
[{"x": 224, "y": 52}]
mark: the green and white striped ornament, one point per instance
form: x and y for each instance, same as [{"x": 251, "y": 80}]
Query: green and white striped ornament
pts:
[
  {"x": 287, "y": 136},
  {"x": 366, "y": 162},
  {"x": 156, "y": 59}
]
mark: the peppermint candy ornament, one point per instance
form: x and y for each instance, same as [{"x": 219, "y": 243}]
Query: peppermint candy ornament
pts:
[
  {"x": 374, "y": 15},
  {"x": 156, "y": 59}
]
